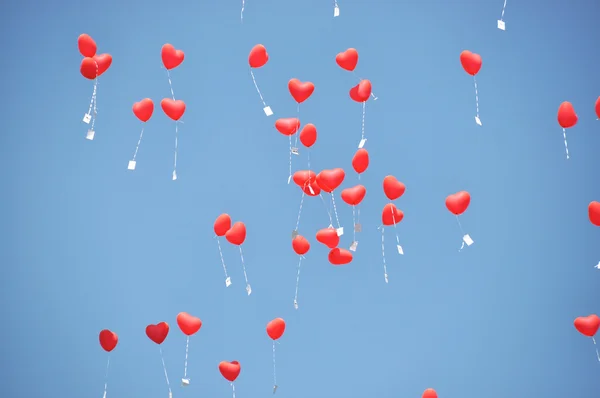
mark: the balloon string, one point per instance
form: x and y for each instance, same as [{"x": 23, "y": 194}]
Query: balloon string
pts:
[
  {"x": 565, "y": 139},
  {"x": 162, "y": 358},
  {"x": 233, "y": 389},
  {"x": 222, "y": 259},
  {"x": 92, "y": 106},
  {"x": 299, "y": 212},
  {"x": 296, "y": 133},
  {"x": 308, "y": 154},
  {"x": 274, "y": 369},
  {"x": 596, "y": 346},
  {"x": 170, "y": 84},
  {"x": 297, "y": 283},
  {"x": 248, "y": 289},
  {"x": 503, "y": 10},
  {"x": 362, "y": 136},
  {"x": 462, "y": 232},
  {"x": 290, "y": 149},
  {"x": 359, "y": 79},
  {"x": 335, "y": 209},
  {"x": 395, "y": 228},
  {"x": 106, "y": 376},
  {"x": 354, "y": 223},
  {"x": 327, "y": 210},
  {"x": 242, "y": 12},
  {"x": 476, "y": 96},
  {"x": 176, "y": 146},
  {"x": 385, "y": 274},
  {"x": 137, "y": 147},
  {"x": 187, "y": 345},
  {"x": 256, "y": 85}
]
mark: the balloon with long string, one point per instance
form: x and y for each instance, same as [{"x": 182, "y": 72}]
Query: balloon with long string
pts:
[
  {"x": 471, "y": 63},
  {"x": 336, "y": 9},
  {"x": 393, "y": 190},
  {"x": 189, "y": 325},
  {"x": 257, "y": 59},
  {"x": 300, "y": 91},
  {"x": 142, "y": 110},
  {"x": 236, "y": 235},
  {"x": 328, "y": 181},
  {"x": 457, "y": 204},
  {"x": 501, "y": 23},
  {"x": 171, "y": 58},
  {"x": 390, "y": 215},
  {"x": 328, "y": 237},
  {"x": 361, "y": 94},
  {"x": 588, "y": 326},
  {"x": 338, "y": 256},
  {"x": 158, "y": 333},
  {"x": 288, "y": 127},
  {"x": 567, "y": 118},
  {"x": 174, "y": 109},
  {"x": 108, "y": 342},
  {"x": 308, "y": 138},
  {"x": 348, "y": 60},
  {"x": 301, "y": 246},
  {"x": 221, "y": 226},
  {"x": 353, "y": 196},
  {"x": 306, "y": 180},
  {"x": 230, "y": 371},
  {"x": 275, "y": 330},
  {"x": 429, "y": 393},
  {"x": 360, "y": 161}
]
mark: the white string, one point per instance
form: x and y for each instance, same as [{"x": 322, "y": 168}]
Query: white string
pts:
[
  {"x": 290, "y": 176},
  {"x": 308, "y": 154},
  {"x": 165, "y": 370},
  {"x": 335, "y": 209},
  {"x": 221, "y": 255},
  {"x": 362, "y": 136},
  {"x": 244, "y": 269},
  {"x": 297, "y": 283},
  {"x": 565, "y": 139},
  {"x": 299, "y": 212},
  {"x": 274, "y": 369},
  {"x": 256, "y": 86},
  {"x": 354, "y": 223},
  {"x": 187, "y": 344},
  {"x": 476, "y": 96},
  {"x": 233, "y": 389},
  {"x": 137, "y": 147},
  {"x": 385, "y": 274},
  {"x": 596, "y": 346},
  {"x": 93, "y": 102},
  {"x": 327, "y": 210},
  {"x": 503, "y": 10},
  {"x": 462, "y": 232},
  {"x": 170, "y": 84},
  {"x": 176, "y": 145},
  {"x": 106, "y": 376},
  {"x": 395, "y": 229},
  {"x": 242, "y": 12}
]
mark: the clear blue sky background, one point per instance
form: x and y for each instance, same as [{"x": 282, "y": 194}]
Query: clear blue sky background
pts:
[{"x": 89, "y": 245}]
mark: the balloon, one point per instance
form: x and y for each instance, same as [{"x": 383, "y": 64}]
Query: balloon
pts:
[
  {"x": 348, "y": 59},
  {"x": 222, "y": 224},
  {"x": 393, "y": 188},
  {"x": 361, "y": 92},
  {"x": 329, "y": 180},
  {"x": 458, "y": 203},
  {"x": 470, "y": 62},
  {"x": 594, "y": 213},
  {"x": 312, "y": 185},
  {"x": 173, "y": 108},
  {"x": 157, "y": 333},
  {"x": 143, "y": 110},
  {"x": 567, "y": 117},
  {"x": 303, "y": 177},
  {"x": 287, "y": 126},
  {"x": 87, "y": 45},
  {"x": 230, "y": 370},
  {"x": 360, "y": 161},
  {"x": 108, "y": 340},
  {"x": 587, "y": 325},
  {"x": 339, "y": 256},
  {"x": 188, "y": 324},
  {"x": 598, "y": 107},
  {"x": 300, "y": 245},
  {"x": 236, "y": 234},
  {"x": 300, "y": 91},
  {"x": 429, "y": 393},
  {"x": 391, "y": 215},
  {"x": 353, "y": 196},
  {"x": 171, "y": 57},
  {"x": 95, "y": 66},
  {"x": 308, "y": 135},
  {"x": 275, "y": 328},
  {"x": 328, "y": 237},
  {"x": 258, "y": 56}
]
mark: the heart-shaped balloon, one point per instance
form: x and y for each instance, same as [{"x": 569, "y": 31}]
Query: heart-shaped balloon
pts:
[
  {"x": 300, "y": 91},
  {"x": 173, "y": 108},
  {"x": 275, "y": 328},
  {"x": 594, "y": 213},
  {"x": 329, "y": 180},
  {"x": 598, "y": 108},
  {"x": 222, "y": 224},
  {"x": 391, "y": 215},
  {"x": 303, "y": 177},
  {"x": 353, "y": 196},
  {"x": 236, "y": 234},
  {"x": 143, "y": 110},
  {"x": 393, "y": 188},
  {"x": 87, "y": 45},
  {"x": 308, "y": 135},
  {"x": 348, "y": 59},
  {"x": 328, "y": 237},
  {"x": 188, "y": 324},
  {"x": 258, "y": 56},
  {"x": 567, "y": 117},
  {"x": 230, "y": 370},
  {"x": 108, "y": 340},
  {"x": 171, "y": 57},
  {"x": 287, "y": 126},
  {"x": 312, "y": 188},
  {"x": 95, "y": 66},
  {"x": 362, "y": 91},
  {"x": 470, "y": 62},
  {"x": 587, "y": 325},
  {"x": 300, "y": 245},
  {"x": 104, "y": 62},
  {"x": 458, "y": 203},
  {"x": 429, "y": 393},
  {"x": 158, "y": 333},
  {"x": 360, "y": 161},
  {"x": 339, "y": 256}
]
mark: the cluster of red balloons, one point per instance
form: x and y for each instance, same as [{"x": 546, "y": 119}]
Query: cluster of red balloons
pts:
[
  {"x": 92, "y": 64},
  {"x": 235, "y": 234}
]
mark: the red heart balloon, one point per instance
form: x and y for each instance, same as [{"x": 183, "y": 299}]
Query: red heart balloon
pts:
[
  {"x": 567, "y": 117},
  {"x": 171, "y": 57},
  {"x": 329, "y": 180},
  {"x": 287, "y": 126},
  {"x": 361, "y": 92},
  {"x": 311, "y": 188},
  {"x": 429, "y": 393},
  {"x": 173, "y": 109},
  {"x": 143, "y": 110},
  {"x": 458, "y": 203},
  {"x": 230, "y": 370},
  {"x": 188, "y": 324},
  {"x": 258, "y": 56},
  {"x": 275, "y": 328},
  {"x": 87, "y": 45},
  {"x": 158, "y": 333},
  {"x": 108, "y": 340},
  {"x": 303, "y": 177},
  {"x": 104, "y": 62},
  {"x": 236, "y": 234},
  {"x": 353, "y": 196},
  {"x": 391, "y": 215},
  {"x": 300, "y": 91},
  {"x": 300, "y": 245},
  {"x": 360, "y": 161},
  {"x": 470, "y": 62},
  {"x": 348, "y": 59},
  {"x": 598, "y": 107},
  {"x": 222, "y": 224},
  {"x": 339, "y": 256},
  {"x": 393, "y": 188},
  {"x": 587, "y": 325},
  {"x": 328, "y": 237},
  {"x": 594, "y": 213},
  {"x": 94, "y": 67},
  {"x": 308, "y": 135}
]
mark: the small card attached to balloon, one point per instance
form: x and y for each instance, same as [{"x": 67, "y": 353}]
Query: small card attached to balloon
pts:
[
  {"x": 275, "y": 389},
  {"x": 228, "y": 281},
  {"x": 353, "y": 246},
  {"x": 336, "y": 11},
  {"x": 295, "y": 151},
  {"x": 362, "y": 143},
  {"x": 501, "y": 25},
  {"x": 131, "y": 165},
  {"x": 467, "y": 239},
  {"x": 478, "y": 120},
  {"x": 185, "y": 382},
  {"x": 400, "y": 250},
  {"x": 312, "y": 191},
  {"x": 87, "y": 118},
  {"x": 248, "y": 289},
  {"x": 340, "y": 231},
  {"x": 357, "y": 228},
  {"x": 90, "y": 135},
  {"x": 174, "y": 175},
  {"x": 268, "y": 111},
  {"x": 296, "y": 304},
  {"x": 386, "y": 278}
]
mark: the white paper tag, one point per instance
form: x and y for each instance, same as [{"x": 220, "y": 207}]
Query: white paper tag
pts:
[
  {"x": 274, "y": 389},
  {"x": 501, "y": 25},
  {"x": 131, "y": 165},
  {"x": 357, "y": 228},
  {"x": 248, "y": 289},
  {"x": 87, "y": 118},
  {"x": 478, "y": 120},
  {"x": 386, "y": 278},
  {"x": 310, "y": 189},
  {"x": 295, "y": 304},
  {"x": 597, "y": 266},
  {"x": 353, "y": 246},
  {"x": 289, "y": 179},
  {"x": 340, "y": 231},
  {"x": 400, "y": 251},
  {"x": 174, "y": 175},
  {"x": 90, "y": 135},
  {"x": 467, "y": 239},
  {"x": 185, "y": 382},
  {"x": 228, "y": 281},
  {"x": 295, "y": 151},
  {"x": 268, "y": 111},
  {"x": 362, "y": 143},
  {"x": 336, "y": 11},
  {"x": 294, "y": 233}
]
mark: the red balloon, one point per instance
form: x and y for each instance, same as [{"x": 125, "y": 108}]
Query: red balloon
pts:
[
  {"x": 230, "y": 370},
  {"x": 108, "y": 340},
  {"x": 458, "y": 203},
  {"x": 275, "y": 328},
  {"x": 329, "y": 180},
  {"x": 303, "y": 177},
  {"x": 362, "y": 91},
  {"x": 393, "y": 188},
  {"x": 348, "y": 59},
  {"x": 391, "y": 215},
  {"x": 173, "y": 108},
  {"x": 87, "y": 45},
  {"x": 328, "y": 237},
  {"x": 287, "y": 126},
  {"x": 158, "y": 333},
  {"x": 587, "y": 325},
  {"x": 360, "y": 161},
  {"x": 567, "y": 117},
  {"x": 429, "y": 393},
  {"x": 353, "y": 196},
  {"x": 258, "y": 56},
  {"x": 95, "y": 66},
  {"x": 222, "y": 224},
  {"x": 143, "y": 110},
  {"x": 300, "y": 91},
  {"x": 188, "y": 324},
  {"x": 470, "y": 62},
  {"x": 308, "y": 135},
  {"x": 598, "y": 107},
  {"x": 171, "y": 57},
  {"x": 594, "y": 213},
  {"x": 312, "y": 188},
  {"x": 236, "y": 234},
  {"x": 300, "y": 245},
  {"x": 339, "y": 256}
]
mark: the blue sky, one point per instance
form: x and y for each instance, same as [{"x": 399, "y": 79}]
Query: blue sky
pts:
[{"x": 88, "y": 245}]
